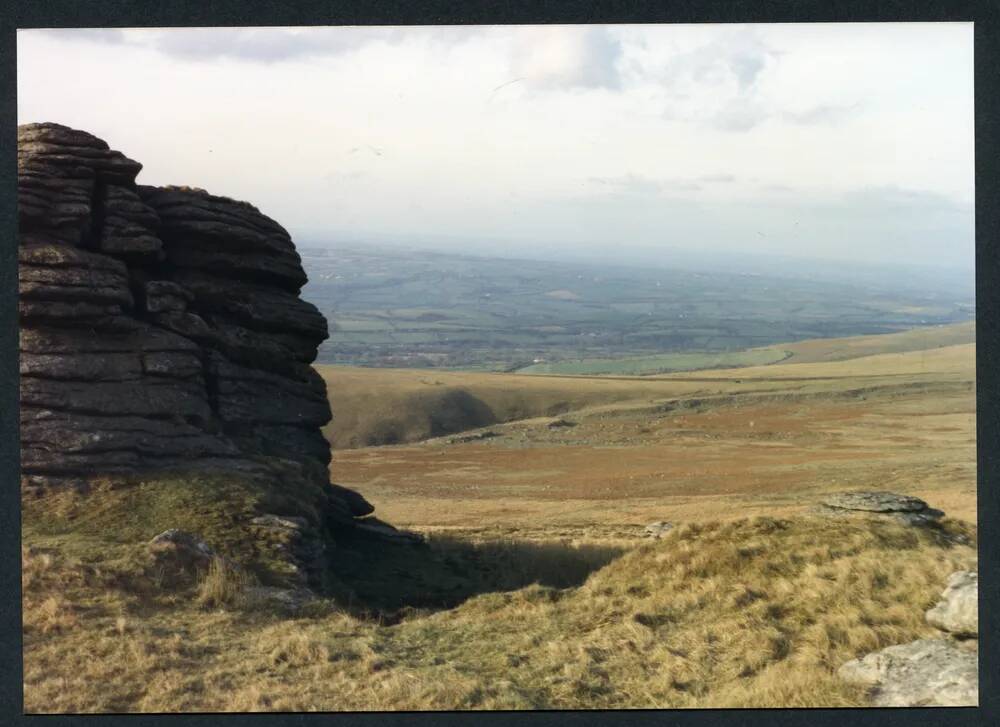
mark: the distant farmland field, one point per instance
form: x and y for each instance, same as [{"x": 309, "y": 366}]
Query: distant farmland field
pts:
[
  {"x": 413, "y": 309},
  {"x": 658, "y": 364}
]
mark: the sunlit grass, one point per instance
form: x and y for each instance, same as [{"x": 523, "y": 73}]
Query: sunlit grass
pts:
[{"x": 751, "y": 613}]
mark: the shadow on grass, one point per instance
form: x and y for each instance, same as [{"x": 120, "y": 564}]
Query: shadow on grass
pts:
[{"x": 389, "y": 578}]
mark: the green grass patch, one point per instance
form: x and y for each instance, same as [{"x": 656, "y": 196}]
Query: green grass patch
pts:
[{"x": 126, "y": 513}]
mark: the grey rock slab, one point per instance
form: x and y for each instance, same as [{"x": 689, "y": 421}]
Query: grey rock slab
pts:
[
  {"x": 872, "y": 501},
  {"x": 903, "y": 509},
  {"x": 924, "y": 673}
]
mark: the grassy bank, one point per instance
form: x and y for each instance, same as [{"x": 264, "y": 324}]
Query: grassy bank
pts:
[{"x": 748, "y": 613}]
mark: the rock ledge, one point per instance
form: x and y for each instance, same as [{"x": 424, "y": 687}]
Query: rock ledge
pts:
[{"x": 879, "y": 505}]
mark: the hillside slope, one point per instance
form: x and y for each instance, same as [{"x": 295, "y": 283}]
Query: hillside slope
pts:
[
  {"x": 917, "y": 339},
  {"x": 752, "y": 613},
  {"x": 716, "y": 444},
  {"x": 535, "y": 589},
  {"x": 376, "y": 406}
]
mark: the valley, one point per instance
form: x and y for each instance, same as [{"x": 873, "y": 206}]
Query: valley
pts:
[{"x": 540, "y": 455}]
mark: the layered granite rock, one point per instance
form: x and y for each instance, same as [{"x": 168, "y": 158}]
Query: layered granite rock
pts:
[{"x": 159, "y": 327}]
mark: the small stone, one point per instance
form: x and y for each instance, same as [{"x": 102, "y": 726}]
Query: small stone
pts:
[
  {"x": 181, "y": 550},
  {"x": 658, "y": 529},
  {"x": 287, "y": 522}
]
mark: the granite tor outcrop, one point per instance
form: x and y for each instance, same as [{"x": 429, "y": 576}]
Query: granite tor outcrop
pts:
[{"x": 160, "y": 327}]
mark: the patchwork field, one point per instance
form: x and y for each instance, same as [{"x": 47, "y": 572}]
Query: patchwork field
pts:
[{"x": 396, "y": 307}]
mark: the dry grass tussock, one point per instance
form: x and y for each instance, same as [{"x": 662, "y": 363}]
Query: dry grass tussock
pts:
[
  {"x": 223, "y": 584},
  {"x": 751, "y": 613}
]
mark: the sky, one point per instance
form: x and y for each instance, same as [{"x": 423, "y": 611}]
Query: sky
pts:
[{"x": 841, "y": 142}]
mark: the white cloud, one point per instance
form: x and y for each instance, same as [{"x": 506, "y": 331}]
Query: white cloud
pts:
[
  {"x": 555, "y": 134},
  {"x": 822, "y": 114},
  {"x": 638, "y": 184},
  {"x": 576, "y": 56}
]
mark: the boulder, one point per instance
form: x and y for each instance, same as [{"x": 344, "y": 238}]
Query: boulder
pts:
[
  {"x": 958, "y": 610},
  {"x": 924, "y": 673},
  {"x": 180, "y": 551},
  {"x": 57, "y": 151},
  {"x": 903, "y": 509}
]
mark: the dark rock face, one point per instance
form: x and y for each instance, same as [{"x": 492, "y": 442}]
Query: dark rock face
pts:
[
  {"x": 356, "y": 503},
  {"x": 160, "y": 327}
]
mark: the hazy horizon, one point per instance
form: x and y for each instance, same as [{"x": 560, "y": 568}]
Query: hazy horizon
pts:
[
  {"x": 890, "y": 276},
  {"x": 812, "y": 142}
]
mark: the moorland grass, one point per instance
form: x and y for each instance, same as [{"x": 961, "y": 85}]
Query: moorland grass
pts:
[
  {"x": 751, "y": 613},
  {"x": 105, "y": 523}
]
